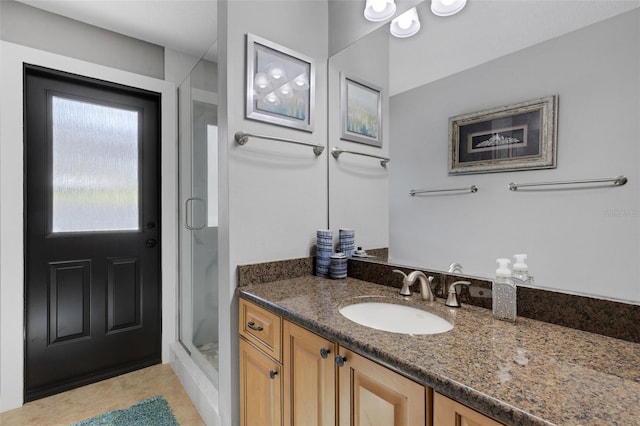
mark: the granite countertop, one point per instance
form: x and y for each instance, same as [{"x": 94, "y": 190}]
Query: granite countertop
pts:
[{"x": 527, "y": 373}]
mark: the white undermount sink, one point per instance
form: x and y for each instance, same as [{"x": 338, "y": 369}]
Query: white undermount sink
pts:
[{"x": 395, "y": 318}]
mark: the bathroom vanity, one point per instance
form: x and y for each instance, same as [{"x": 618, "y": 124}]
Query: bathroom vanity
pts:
[{"x": 302, "y": 362}]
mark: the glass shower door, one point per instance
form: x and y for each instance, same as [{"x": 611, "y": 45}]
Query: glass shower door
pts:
[{"x": 198, "y": 316}]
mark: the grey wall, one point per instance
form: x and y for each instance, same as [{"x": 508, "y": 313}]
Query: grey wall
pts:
[
  {"x": 32, "y": 27},
  {"x": 273, "y": 196},
  {"x": 579, "y": 241}
]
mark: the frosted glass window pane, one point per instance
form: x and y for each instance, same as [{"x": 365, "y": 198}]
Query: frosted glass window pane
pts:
[{"x": 95, "y": 167}]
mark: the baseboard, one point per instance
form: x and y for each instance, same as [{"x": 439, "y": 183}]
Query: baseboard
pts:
[{"x": 202, "y": 392}]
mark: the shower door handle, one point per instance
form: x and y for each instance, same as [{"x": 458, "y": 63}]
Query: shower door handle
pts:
[{"x": 189, "y": 212}]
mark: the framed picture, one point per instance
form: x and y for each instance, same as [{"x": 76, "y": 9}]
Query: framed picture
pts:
[
  {"x": 280, "y": 85},
  {"x": 521, "y": 136},
  {"x": 361, "y": 110}
]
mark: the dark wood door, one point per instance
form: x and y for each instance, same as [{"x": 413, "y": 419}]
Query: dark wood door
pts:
[{"x": 92, "y": 280}]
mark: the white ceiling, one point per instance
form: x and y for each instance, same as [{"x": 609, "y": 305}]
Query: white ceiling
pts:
[{"x": 189, "y": 26}]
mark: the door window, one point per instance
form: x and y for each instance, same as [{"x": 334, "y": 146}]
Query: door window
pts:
[{"x": 94, "y": 167}]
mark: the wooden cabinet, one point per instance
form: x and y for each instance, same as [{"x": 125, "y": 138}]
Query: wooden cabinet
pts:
[
  {"x": 447, "y": 412},
  {"x": 309, "y": 377},
  {"x": 291, "y": 376},
  {"x": 260, "y": 368},
  {"x": 370, "y": 394},
  {"x": 260, "y": 388}
]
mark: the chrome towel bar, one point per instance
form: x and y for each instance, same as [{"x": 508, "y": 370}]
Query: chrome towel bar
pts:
[
  {"x": 617, "y": 181},
  {"x": 337, "y": 151},
  {"x": 242, "y": 138},
  {"x": 471, "y": 189}
]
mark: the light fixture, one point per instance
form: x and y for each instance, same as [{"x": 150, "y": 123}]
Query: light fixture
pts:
[
  {"x": 261, "y": 83},
  {"x": 271, "y": 99},
  {"x": 301, "y": 82},
  {"x": 447, "y": 7},
  {"x": 406, "y": 24},
  {"x": 286, "y": 91},
  {"x": 276, "y": 73},
  {"x": 379, "y": 10}
]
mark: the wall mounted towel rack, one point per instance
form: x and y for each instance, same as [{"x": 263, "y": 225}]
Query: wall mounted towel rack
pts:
[
  {"x": 617, "y": 181},
  {"x": 337, "y": 151},
  {"x": 471, "y": 189},
  {"x": 242, "y": 138}
]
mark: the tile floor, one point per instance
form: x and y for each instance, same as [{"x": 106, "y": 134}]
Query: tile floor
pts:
[{"x": 112, "y": 394}]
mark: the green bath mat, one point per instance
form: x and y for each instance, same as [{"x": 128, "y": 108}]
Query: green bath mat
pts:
[{"x": 153, "y": 411}]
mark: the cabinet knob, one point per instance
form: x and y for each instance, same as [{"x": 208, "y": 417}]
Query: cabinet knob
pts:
[
  {"x": 252, "y": 325},
  {"x": 340, "y": 360},
  {"x": 324, "y": 353},
  {"x": 272, "y": 374}
]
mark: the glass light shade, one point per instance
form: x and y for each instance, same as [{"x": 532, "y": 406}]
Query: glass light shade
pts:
[
  {"x": 447, "y": 7},
  {"x": 261, "y": 83},
  {"x": 286, "y": 91},
  {"x": 379, "y": 10},
  {"x": 276, "y": 73},
  {"x": 301, "y": 82},
  {"x": 406, "y": 24},
  {"x": 271, "y": 99}
]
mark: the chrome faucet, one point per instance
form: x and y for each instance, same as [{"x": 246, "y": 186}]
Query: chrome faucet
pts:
[
  {"x": 455, "y": 268},
  {"x": 452, "y": 297},
  {"x": 425, "y": 284}
]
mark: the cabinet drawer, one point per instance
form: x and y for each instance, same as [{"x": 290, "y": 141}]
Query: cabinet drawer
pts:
[{"x": 260, "y": 327}]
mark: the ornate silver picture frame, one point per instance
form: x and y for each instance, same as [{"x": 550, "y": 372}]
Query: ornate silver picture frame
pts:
[
  {"x": 280, "y": 85},
  {"x": 520, "y": 136}
]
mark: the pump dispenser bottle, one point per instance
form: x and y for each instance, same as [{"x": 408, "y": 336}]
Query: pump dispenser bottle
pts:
[
  {"x": 520, "y": 269},
  {"x": 504, "y": 293}
]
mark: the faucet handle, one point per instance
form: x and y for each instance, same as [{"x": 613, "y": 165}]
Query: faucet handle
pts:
[
  {"x": 405, "y": 283},
  {"x": 452, "y": 297}
]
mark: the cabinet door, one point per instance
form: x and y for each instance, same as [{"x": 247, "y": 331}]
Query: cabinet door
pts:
[
  {"x": 370, "y": 394},
  {"x": 447, "y": 412},
  {"x": 309, "y": 377},
  {"x": 260, "y": 388}
]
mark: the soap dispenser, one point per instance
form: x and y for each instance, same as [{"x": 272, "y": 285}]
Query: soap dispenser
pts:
[
  {"x": 520, "y": 269},
  {"x": 504, "y": 293}
]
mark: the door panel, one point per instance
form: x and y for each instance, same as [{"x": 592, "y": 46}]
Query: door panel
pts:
[
  {"x": 447, "y": 412},
  {"x": 309, "y": 377},
  {"x": 123, "y": 299},
  {"x": 371, "y": 395},
  {"x": 260, "y": 388},
  {"x": 92, "y": 281},
  {"x": 69, "y": 297}
]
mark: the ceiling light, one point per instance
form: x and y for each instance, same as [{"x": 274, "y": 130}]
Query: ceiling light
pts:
[
  {"x": 406, "y": 24},
  {"x": 286, "y": 91},
  {"x": 261, "y": 83},
  {"x": 301, "y": 82},
  {"x": 447, "y": 7},
  {"x": 276, "y": 73},
  {"x": 272, "y": 99},
  {"x": 379, "y": 10}
]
